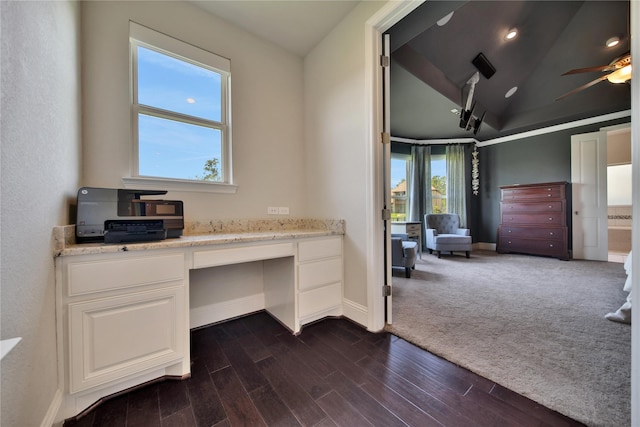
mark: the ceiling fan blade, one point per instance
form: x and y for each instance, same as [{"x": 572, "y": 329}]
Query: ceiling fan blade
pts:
[
  {"x": 590, "y": 69},
  {"x": 578, "y": 89}
]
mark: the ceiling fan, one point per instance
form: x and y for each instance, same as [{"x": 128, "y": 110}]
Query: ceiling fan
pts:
[{"x": 620, "y": 73}]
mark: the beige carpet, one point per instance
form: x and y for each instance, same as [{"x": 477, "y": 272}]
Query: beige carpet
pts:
[{"x": 532, "y": 324}]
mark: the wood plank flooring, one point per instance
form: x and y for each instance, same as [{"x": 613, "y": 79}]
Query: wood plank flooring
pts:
[{"x": 253, "y": 372}]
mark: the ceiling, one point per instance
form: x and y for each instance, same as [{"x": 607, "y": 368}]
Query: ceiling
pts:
[
  {"x": 431, "y": 64},
  {"x": 296, "y": 25}
]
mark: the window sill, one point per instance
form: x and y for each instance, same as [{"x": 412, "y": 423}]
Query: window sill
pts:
[{"x": 178, "y": 185}]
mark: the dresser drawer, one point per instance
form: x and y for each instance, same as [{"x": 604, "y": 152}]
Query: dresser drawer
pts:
[
  {"x": 557, "y": 218},
  {"x": 533, "y": 246},
  {"x": 534, "y": 193},
  {"x": 551, "y": 206},
  {"x": 552, "y": 233}
]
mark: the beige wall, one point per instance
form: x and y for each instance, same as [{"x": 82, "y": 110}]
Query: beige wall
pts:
[
  {"x": 40, "y": 134},
  {"x": 337, "y": 135},
  {"x": 267, "y": 106}
]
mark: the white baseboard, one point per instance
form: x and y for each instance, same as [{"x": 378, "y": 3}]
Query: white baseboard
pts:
[
  {"x": 356, "y": 312},
  {"x": 484, "y": 246},
  {"x": 49, "y": 419},
  {"x": 201, "y": 316}
]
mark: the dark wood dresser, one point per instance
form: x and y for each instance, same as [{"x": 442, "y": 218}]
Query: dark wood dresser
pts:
[{"x": 534, "y": 219}]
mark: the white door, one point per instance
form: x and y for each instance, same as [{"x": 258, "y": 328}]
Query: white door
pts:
[
  {"x": 386, "y": 185},
  {"x": 589, "y": 196}
]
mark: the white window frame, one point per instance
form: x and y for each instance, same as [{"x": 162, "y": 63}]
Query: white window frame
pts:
[{"x": 143, "y": 36}]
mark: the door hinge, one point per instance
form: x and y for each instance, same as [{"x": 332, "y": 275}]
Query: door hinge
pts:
[
  {"x": 386, "y": 291},
  {"x": 385, "y": 137},
  {"x": 386, "y": 214},
  {"x": 384, "y": 61}
]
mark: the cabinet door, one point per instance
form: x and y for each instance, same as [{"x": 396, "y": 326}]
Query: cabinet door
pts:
[{"x": 110, "y": 338}]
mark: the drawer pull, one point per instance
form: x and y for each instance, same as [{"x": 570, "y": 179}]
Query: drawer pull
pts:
[
  {"x": 509, "y": 242},
  {"x": 551, "y": 233},
  {"x": 550, "y": 207},
  {"x": 548, "y": 195},
  {"x": 551, "y": 245},
  {"x": 550, "y": 219},
  {"x": 509, "y": 231}
]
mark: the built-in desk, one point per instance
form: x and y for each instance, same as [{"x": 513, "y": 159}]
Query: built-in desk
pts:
[{"x": 124, "y": 312}]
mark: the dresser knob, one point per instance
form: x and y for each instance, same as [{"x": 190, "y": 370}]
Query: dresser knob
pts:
[
  {"x": 548, "y": 195},
  {"x": 550, "y": 246},
  {"x": 550, "y": 207},
  {"x": 551, "y": 233},
  {"x": 550, "y": 219},
  {"x": 509, "y": 231}
]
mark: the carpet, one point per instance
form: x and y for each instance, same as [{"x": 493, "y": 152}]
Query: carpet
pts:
[{"x": 532, "y": 324}]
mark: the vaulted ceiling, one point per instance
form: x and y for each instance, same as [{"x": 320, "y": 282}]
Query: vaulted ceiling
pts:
[{"x": 431, "y": 65}]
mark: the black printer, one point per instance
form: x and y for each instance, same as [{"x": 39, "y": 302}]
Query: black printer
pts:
[{"x": 114, "y": 215}]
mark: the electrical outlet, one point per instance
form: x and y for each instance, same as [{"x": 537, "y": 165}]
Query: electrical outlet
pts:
[
  {"x": 283, "y": 210},
  {"x": 271, "y": 210}
]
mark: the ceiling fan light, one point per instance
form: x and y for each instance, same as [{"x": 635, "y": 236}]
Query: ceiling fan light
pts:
[
  {"x": 511, "y": 34},
  {"x": 620, "y": 75},
  {"x": 613, "y": 41}
]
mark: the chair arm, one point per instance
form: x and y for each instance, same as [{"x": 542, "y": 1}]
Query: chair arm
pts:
[
  {"x": 463, "y": 232},
  {"x": 400, "y": 236},
  {"x": 432, "y": 232}
]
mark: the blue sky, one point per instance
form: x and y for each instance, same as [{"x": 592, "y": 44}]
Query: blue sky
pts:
[
  {"x": 398, "y": 168},
  {"x": 172, "y": 149}
]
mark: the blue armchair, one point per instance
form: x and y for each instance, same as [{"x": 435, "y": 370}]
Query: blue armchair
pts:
[
  {"x": 403, "y": 253},
  {"x": 443, "y": 234}
]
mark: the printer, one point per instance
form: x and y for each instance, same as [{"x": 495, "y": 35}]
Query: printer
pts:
[{"x": 114, "y": 215}]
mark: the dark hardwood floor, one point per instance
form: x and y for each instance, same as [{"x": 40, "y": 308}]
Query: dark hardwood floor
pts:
[{"x": 252, "y": 371}]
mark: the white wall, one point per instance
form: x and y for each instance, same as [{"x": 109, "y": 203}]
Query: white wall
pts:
[
  {"x": 40, "y": 134},
  {"x": 267, "y": 106},
  {"x": 337, "y": 134}
]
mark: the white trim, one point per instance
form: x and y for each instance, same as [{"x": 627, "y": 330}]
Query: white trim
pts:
[
  {"x": 356, "y": 312},
  {"x": 50, "y": 417},
  {"x": 143, "y": 183},
  {"x": 556, "y": 128},
  {"x": 517, "y": 136},
  {"x": 7, "y": 345},
  {"x": 213, "y": 313}
]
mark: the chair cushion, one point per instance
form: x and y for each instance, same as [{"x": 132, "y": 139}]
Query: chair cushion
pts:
[{"x": 452, "y": 239}]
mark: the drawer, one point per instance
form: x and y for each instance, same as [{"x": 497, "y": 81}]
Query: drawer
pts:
[
  {"x": 238, "y": 255},
  {"x": 101, "y": 275},
  {"x": 555, "y": 233},
  {"x": 314, "y": 274},
  {"x": 413, "y": 228},
  {"x": 320, "y": 299},
  {"x": 534, "y": 219},
  {"x": 550, "y": 206},
  {"x": 321, "y": 248},
  {"x": 540, "y": 193},
  {"x": 533, "y": 246}
]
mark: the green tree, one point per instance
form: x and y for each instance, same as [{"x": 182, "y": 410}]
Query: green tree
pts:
[
  {"x": 439, "y": 193},
  {"x": 211, "y": 172}
]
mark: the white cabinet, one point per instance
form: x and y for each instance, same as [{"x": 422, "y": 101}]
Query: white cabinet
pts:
[
  {"x": 123, "y": 315},
  {"x": 319, "y": 279}
]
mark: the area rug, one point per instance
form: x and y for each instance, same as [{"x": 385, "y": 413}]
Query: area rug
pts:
[{"x": 532, "y": 324}]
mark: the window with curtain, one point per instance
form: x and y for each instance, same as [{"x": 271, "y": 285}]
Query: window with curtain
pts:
[{"x": 441, "y": 166}]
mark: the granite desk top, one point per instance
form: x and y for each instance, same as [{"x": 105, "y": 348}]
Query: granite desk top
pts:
[{"x": 206, "y": 233}]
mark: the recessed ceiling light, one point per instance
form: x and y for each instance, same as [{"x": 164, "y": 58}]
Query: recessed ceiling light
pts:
[
  {"x": 613, "y": 41},
  {"x": 511, "y": 34},
  {"x": 511, "y": 91},
  {"x": 443, "y": 21}
]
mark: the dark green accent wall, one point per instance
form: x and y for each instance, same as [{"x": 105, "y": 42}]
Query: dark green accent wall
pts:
[{"x": 542, "y": 158}]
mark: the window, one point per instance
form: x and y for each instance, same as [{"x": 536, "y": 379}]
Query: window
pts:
[
  {"x": 180, "y": 114},
  {"x": 439, "y": 183},
  {"x": 399, "y": 198}
]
